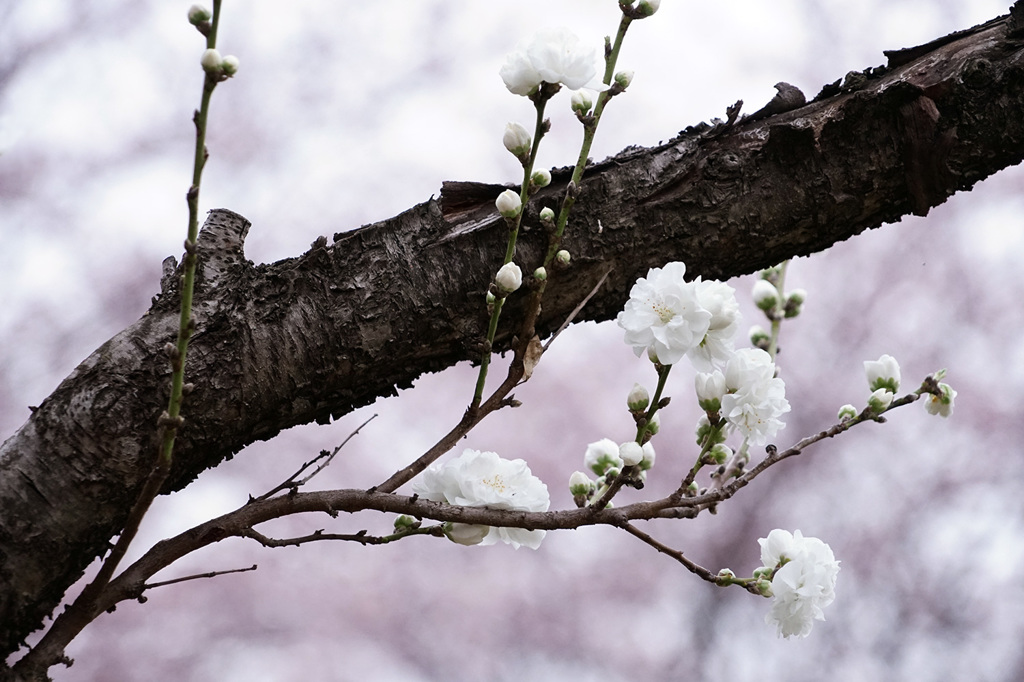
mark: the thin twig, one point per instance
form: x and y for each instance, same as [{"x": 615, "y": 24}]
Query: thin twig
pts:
[
  {"x": 362, "y": 537},
  {"x": 210, "y": 574},
  {"x": 291, "y": 483},
  {"x": 578, "y": 308}
]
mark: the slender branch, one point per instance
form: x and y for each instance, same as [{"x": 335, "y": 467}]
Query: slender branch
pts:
[
  {"x": 197, "y": 576},
  {"x": 362, "y": 537},
  {"x": 291, "y": 483}
]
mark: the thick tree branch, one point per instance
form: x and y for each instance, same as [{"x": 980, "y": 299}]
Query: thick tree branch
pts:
[{"x": 311, "y": 338}]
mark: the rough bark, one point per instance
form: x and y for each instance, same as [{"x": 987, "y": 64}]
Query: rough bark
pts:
[{"x": 310, "y": 338}]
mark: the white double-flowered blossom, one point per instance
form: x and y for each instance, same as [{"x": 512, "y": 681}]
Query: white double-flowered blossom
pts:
[
  {"x": 551, "y": 56},
  {"x": 883, "y": 373},
  {"x": 756, "y": 397},
  {"x": 602, "y": 455},
  {"x": 715, "y": 349},
  {"x": 663, "y": 315},
  {"x": 940, "y": 405},
  {"x": 483, "y": 479},
  {"x": 804, "y": 581},
  {"x": 509, "y": 277}
]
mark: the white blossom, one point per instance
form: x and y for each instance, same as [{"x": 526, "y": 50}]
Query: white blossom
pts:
[
  {"x": 883, "y": 373},
  {"x": 663, "y": 315},
  {"x": 942, "y": 406},
  {"x": 483, "y": 479},
  {"x": 509, "y": 277},
  {"x": 552, "y": 56},
  {"x": 715, "y": 349},
  {"x": 804, "y": 581},
  {"x": 756, "y": 398},
  {"x": 602, "y": 455}
]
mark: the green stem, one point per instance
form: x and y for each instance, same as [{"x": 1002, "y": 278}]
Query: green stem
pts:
[
  {"x": 780, "y": 284},
  {"x": 510, "y": 250},
  {"x": 589, "y": 131},
  {"x": 652, "y": 410}
]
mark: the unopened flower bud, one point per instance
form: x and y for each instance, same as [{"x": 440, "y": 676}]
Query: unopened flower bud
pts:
[
  {"x": 726, "y": 576},
  {"x": 654, "y": 425},
  {"x": 582, "y": 101},
  {"x": 631, "y": 453},
  {"x": 211, "y": 61},
  {"x": 847, "y": 412},
  {"x": 649, "y": 456},
  {"x": 720, "y": 453},
  {"x": 710, "y": 388},
  {"x": 648, "y": 7},
  {"x": 508, "y": 204},
  {"x": 795, "y": 302},
  {"x": 405, "y": 522},
  {"x": 883, "y": 373},
  {"x": 638, "y": 398},
  {"x": 197, "y": 14},
  {"x": 229, "y": 65},
  {"x": 509, "y": 278},
  {"x": 563, "y": 257},
  {"x": 765, "y": 295},
  {"x": 541, "y": 178},
  {"x": 517, "y": 140},
  {"x": 547, "y": 215},
  {"x": 540, "y": 274},
  {"x": 623, "y": 79},
  {"x": 759, "y": 337},
  {"x": 580, "y": 484},
  {"x": 880, "y": 400}
]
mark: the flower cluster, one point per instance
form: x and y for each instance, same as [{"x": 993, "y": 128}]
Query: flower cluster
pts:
[
  {"x": 551, "y": 56},
  {"x": 670, "y": 318},
  {"x": 606, "y": 459},
  {"x": 483, "y": 479},
  {"x": 800, "y": 573}
]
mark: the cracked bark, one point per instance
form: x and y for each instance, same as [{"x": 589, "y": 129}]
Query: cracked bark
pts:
[{"x": 310, "y": 338}]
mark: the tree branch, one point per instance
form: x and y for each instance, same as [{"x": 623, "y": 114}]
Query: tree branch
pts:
[{"x": 313, "y": 337}]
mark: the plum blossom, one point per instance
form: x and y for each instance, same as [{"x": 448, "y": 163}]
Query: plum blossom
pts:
[
  {"x": 664, "y": 315},
  {"x": 804, "y": 580},
  {"x": 756, "y": 397},
  {"x": 551, "y": 56},
  {"x": 483, "y": 479}
]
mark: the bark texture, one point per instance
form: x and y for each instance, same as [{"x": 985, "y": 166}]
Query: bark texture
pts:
[{"x": 310, "y": 338}]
